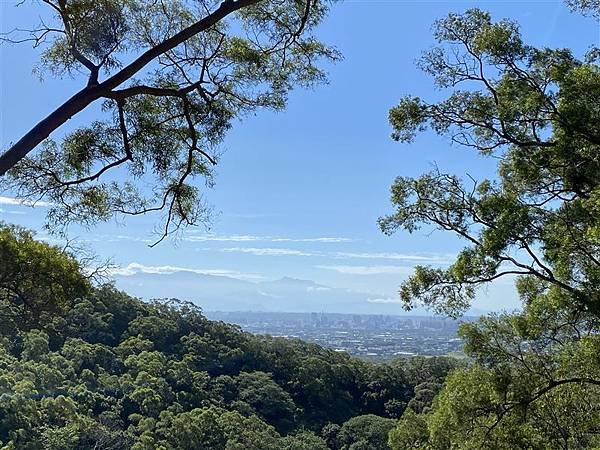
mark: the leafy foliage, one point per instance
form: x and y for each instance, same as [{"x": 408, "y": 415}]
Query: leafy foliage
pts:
[
  {"x": 368, "y": 432},
  {"x": 536, "y": 110},
  {"x": 36, "y": 277},
  {"x": 535, "y": 381},
  {"x": 535, "y": 384}
]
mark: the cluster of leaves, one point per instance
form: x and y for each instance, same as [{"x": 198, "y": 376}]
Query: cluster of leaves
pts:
[
  {"x": 108, "y": 371},
  {"x": 35, "y": 278},
  {"x": 535, "y": 381}
]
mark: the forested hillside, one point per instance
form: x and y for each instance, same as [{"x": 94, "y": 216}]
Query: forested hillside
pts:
[{"x": 91, "y": 367}]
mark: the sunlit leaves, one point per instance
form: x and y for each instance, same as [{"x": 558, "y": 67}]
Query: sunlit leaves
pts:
[
  {"x": 94, "y": 30},
  {"x": 36, "y": 277},
  {"x": 407, "y": 119}
]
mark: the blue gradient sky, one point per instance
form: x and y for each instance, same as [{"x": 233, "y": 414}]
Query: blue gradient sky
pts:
[{"x": 321, "y": 169}]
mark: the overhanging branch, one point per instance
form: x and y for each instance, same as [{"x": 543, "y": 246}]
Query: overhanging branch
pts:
[{"x": 93, "y": 92}]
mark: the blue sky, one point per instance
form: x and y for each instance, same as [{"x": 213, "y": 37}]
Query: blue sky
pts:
[{"x": 299, "y": 192}]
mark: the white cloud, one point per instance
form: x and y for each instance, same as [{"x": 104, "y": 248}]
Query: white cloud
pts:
[
  {"x": 267, "y": 251},
  {"x": 369, "y": 270},
  {"x": 241, "y": 238},
  {"x": 414, "y": 259},
  {"x": 250, "y": 238},
  {"x": 317, "y": 288},
  {"x": 135, "y": 268},
  {"x": 385, "y": 300},
  {"x": 317, "y": 239},
  {"x": 433, "y": 258},
  {"x": 232, "y": 238},
  {"x": 22, "y": 202},
  {"x": 121, "y": 237},
  {"x": 114, "y": 238},
  {"x": 11, "y": 211},
  {"x": 266, "y": 294}
]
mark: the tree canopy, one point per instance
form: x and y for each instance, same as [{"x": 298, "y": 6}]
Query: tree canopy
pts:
[
  {"x": 536, "y": 110},
  {"x": 534, "y": 381},
  {"x": 171, "y": 77},
  {"x": 35, "y": 277}
]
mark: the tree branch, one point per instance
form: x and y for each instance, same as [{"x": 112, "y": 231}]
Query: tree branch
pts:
[{"x": 93, "y": 92}]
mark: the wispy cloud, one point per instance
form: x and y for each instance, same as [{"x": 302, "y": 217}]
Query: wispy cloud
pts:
[
  {"x": 385, "y": 300},
  {"x": 408, "y": 258},
  {"x": 318, "y": 288},
  {"x": 317, "y": 239},
  {"x": 251, "y": 238},
  {"x": 418, "y": 258},
  {"x": 114, "y": 238},
  {"x": 11, "y": 211},
  {"x": 135, "y": 268},
  {"x": 122, "y": 237},
  {"x": 267, "y": 251},
  {"x": 22, "y": 202},
  {"x": 369, "y": 270},
  {"x": 232, "y": 238}
]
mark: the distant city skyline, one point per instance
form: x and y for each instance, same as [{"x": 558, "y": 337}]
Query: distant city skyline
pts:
[{"x": 372, "y": 337}]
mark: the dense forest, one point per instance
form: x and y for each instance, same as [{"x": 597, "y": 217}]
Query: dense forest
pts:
[
  {"x": 85, "y": 366},
  {"x": 91, "y": 367}
]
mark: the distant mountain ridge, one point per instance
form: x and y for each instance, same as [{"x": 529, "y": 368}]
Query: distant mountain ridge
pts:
[
  {"x": 287, "y": 294},
  {"x": 225, "y": 293}
]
